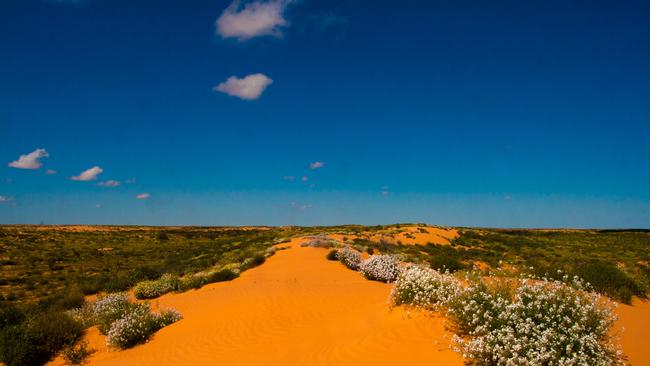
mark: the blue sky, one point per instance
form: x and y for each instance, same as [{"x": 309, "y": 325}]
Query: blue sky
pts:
[{"x": 507, "y": 113}]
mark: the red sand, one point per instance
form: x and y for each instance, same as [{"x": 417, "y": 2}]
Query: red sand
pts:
[{"x": 296, "y": 309}]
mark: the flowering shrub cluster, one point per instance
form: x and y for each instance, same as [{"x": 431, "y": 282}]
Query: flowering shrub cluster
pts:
[
  {"x": 152, "y": 289},
  {"x": 349, "y": 257},
  {"x": 380, "y": 268},
  {"x": 138, "y": 325},
  {"x": 531, "y": 322},
  {"x": 123, "y": 322},
  {"x": 424, "y": 287}
]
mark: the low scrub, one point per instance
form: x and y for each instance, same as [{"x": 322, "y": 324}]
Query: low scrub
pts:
[
  {"x": 36, "y": 339},
  {"x": 152, "y": 289},
  {"x": 331, "y": 255},
  {"x": 383, "y": 268},
  {"x": 349, "y": 257}
]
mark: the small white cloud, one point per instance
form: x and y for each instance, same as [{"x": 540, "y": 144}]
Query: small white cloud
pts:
[
  {"x": 50, "y": 171},
  {"x": 304, "y": 178},
  {"x": 143, "y": 196},
  {"x": 252, "y": 20},
  {"x": 130, "y": 181},
  {"x": 6, "y": 199},
  {"x": 31, "y": 160},
  {"x": 109, "y": 183},
  {"x": 88, "y": 174},
  {"x": 300, "y": 206},
  {"x": 249, "y": 87},
  {"x": 316, "y": 165},
  {"x": 289, "y": 178},
  {"x": 98, "y": 205},
  {"x": 385, "y": 193}
]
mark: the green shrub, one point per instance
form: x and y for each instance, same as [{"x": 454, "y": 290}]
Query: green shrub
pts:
[
  {"x": 10, "y": 315},
  {"x": 221, "y": 275},
  {"x": 254, "y": 261},
  {"x": 445, "y": 262},
  {"x": 77, "y": 354},
  {"x": 191, "y": 282},
  {"x": 152, "y": 289},
  {"x": 331, "y": 255},
  {"x": 35, "y": 341},
  {"x": 609, "y": 280}
]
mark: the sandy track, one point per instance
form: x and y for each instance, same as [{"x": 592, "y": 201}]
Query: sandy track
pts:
[{"x": 296, "y": 309}]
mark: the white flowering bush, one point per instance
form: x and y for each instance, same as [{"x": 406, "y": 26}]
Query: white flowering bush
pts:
[
  {"x": 528, "y": 322},
  {"x": 152, "y": 289},
  {"x": 380, "y": 268},
  {"x": 423, "y": 287},
  {"x": 124, "y": 323},
  {"x": 134, "y": 327},
  {"x": 109, "y": 308},
  {"x": 546, "y": 323},
  {"x": 349, "y": 257}
]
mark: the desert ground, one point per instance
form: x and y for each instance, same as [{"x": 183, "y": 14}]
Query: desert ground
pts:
[
  {"x": 300, "y": 309},
  {"x": 296, "y": 307}
]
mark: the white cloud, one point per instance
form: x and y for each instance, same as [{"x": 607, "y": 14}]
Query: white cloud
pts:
[
  {"x": 50, "y": 171},
  {"x": 249, "y": 87},
  {"x": 30, "y": 161},
  {"x": 304, "y": 178},
  {"x": 130, "y": 181},
  {"x": 143, "y": 196},
  {"x": 252, "y": 20},
  {"x": 289, "y": 178},
  {"x": 6, "y": 198},
  {"x": 98, "y": 205},
  {"x": 88, "y": 174},
  {"x": 109, "y": 183},
  {"x": 316, "y": 165}
]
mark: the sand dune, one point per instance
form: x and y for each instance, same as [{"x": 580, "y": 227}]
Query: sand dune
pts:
[
  {"x": 300, "y": 309},
  {"x": 296, "y": 309},
  {"x": 410, "y": 235}
]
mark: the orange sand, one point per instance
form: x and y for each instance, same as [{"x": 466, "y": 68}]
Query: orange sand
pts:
[
  {"x": 296, "y": 309},
  {"x": 410, "y": 235},
  {"x": 635, "y": 337}
]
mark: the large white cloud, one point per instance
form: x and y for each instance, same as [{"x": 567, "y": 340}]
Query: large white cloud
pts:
[
  {"x": 30, "y": 161},
  {"x": 253, "y": 19},
  {"x": 249, "y": 87},
  {"x": 88, "y": 174}
]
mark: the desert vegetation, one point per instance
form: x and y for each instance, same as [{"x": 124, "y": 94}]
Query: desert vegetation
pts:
[
  {"x": 513, "y": 296},
  {"x": 527, "y": 321}
]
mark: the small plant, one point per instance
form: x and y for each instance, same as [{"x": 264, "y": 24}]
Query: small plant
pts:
[
  {"x": 383, "y": 268},
  {"x": 152, "y": 289},
  {"x": 138, "y": 325},
  {"x": 77, "y": 354},
  {"x": 224, "y": 274},
  {"x": 349, "y": 257},
  {"x": 191, "y": 282},
  {"x": 331, "y": 255}
]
